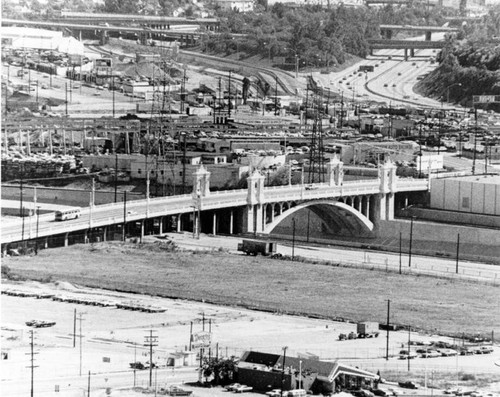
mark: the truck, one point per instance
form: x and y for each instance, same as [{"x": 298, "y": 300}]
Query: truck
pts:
[
  {"x": 366, "y": 68},
  {"x": 367, "y": 329},
  {"x": 255, "y": 247}
]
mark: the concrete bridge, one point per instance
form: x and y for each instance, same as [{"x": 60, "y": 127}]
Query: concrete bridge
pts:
[
  {"x": 102, "y": 31},
  {"x": 349, "y": 208}
]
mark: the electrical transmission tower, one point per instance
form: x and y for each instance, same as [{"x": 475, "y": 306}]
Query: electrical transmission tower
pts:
[
  {"x": 317, "y": 153},
  {"x": 151, "y": 341}
]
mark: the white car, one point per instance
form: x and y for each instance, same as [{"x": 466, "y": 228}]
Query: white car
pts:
[
  {"x": 242, "y": 389},
  {"x": 448, "y": 352},
  {"x": 274, "y": 393}
]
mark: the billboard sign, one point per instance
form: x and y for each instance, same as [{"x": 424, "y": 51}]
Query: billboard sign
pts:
[
  {"x": 486, "y": 98},
  {"x": 201, "y": 339}
]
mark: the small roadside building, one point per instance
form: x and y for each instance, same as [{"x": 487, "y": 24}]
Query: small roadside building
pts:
[{"x": 264, "y": 372}]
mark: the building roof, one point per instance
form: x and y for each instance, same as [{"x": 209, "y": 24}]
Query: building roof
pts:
[
  {"x": 487, "y": 179},
  {"x": 325, "y": 370}
]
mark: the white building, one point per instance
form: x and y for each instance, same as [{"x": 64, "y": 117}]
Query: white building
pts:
[
  {"x": 239, "y": 5},
  {"x": 479, "y": 194}
]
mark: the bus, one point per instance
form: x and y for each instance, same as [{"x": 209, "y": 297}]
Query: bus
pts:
[{"x": 68, "y": 214}]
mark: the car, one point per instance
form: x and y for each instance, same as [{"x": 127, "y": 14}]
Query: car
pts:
[
  {"x": 137, "y": 365},
  {"x": 399, "y": 73},
  {"x": 448, "y": 352},
  {"x": 100, "y": 88},
  {"x": 76, "y": 86},
  {"x": 428, "y": 353},
  {"x": 232, "y": 386},
  {"x": 362, "y": 393},
  {"x": 405, "y": 355},
  {"x": 466, "y": 351},
  {"x": 413, "y": 63},
  {"x": 408, "y": 385},
  {"x": 483, "y": 350},
  {"x": 394, "y": 85},
  {"x": 40, "y": 323},
  {"x": 44, "y": 86},
  {"x": 242, "y": 389},
  {"x": 386, "y": 85},
  {"x": 380, "y": 392},
  {"x": 274, "y": 393}
]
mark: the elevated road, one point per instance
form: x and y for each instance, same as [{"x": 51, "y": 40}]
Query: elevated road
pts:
[
  {"x": 88, "y": 17},
  {"x": 380, "y": 44},
  {"x": 98, "y": 28},
  {"x": 420, "y": 29},
  {"x": 119, "y": 213}
]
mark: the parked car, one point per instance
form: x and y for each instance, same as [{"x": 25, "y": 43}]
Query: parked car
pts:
[
  {"x": 274, "y": 393},
  {"x": 408, "y": 385},
  {"x": 448, "y": 352},
  {"x": 405, "y": 355},
  {"x": 483, "y": 350},
  {"x": 232, "y": 386},
  {"x": 466, "y": 351},
  {"x": 242, "y": 389},
  {"x": 380, "y": 392},
  {"x": 428, "y": 353}
]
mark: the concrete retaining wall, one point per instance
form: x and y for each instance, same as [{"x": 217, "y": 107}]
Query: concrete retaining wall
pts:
[
  {"x": 435, "y": 232},
  {"x": 451, "y": 217}
]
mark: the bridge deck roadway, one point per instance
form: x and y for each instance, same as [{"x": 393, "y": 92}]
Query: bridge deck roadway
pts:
[
  {"x": 117, "y": 213},
  {"x": 402, "y": 44},
  {"x": 70, "y": 25}
]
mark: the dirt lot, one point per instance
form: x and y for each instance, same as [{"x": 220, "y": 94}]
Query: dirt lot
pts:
[
  {"x": 432, "y": 304},
  {"x": 112, "y": 332}
]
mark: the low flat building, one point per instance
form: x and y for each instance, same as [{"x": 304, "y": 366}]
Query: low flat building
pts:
[{"x": 264, "y": 372}]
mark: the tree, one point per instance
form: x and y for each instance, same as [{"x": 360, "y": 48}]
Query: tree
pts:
[{"x": 221, "y": 370}]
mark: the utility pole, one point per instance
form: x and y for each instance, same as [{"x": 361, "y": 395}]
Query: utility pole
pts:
[
  {"x": 475, "y": 143},
  {"x": 116, "y": 175},
  {"x": 276, "y": 95},
  {"x": 400, "y": 250},
  {"x": 80, "y": 319},
  {"x": 74, "y": 328},
  {"x": 458, "y": 247},
  {"x": 124, "y": 213},
  {"x": 229, "y": 94},
  {"x": 387, "y": 324},
  {"x": 32, "y": 361},
  {"x": 283, "y": 371},
  {"x": 88, "y": 386},
  {"x": 409, "y": 336},
  {"x": 151, "y": 341},
  {"x": 293, "y": 239},
  {"x": 411, "y": 239}
]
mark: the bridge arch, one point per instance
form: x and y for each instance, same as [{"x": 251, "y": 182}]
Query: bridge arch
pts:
[{"x": 337, "y": 217}]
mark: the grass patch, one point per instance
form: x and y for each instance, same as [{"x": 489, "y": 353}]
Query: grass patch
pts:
[{"x": 436, "y": 305}]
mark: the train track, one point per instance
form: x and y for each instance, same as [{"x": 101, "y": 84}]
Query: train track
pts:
[{"x": 257, "y": 71}]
